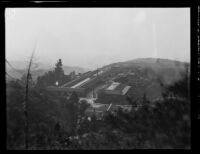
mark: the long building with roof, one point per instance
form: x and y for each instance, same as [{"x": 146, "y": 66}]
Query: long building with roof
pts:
[
  {"x": 83, "y": 85},
  {"x": 95, "y": 84},
  {"x": 114, "y": 93}
]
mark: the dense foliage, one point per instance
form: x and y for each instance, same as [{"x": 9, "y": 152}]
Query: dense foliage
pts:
[
  {"x": 56, "y": 122},
  {"x": 51, "y": 77}
]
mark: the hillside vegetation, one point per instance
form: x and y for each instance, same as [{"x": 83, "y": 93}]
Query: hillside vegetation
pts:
[
  {"x": 148, "y": 76},
  {"x": 56, "y": 122}
]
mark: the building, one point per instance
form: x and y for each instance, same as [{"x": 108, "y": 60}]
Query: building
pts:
[
  {"x": 114, "y": 93},
  {"x": 99, "y": 110},
  {"x": 85, "y": 86},
  {"x": 95, "y": 84}
]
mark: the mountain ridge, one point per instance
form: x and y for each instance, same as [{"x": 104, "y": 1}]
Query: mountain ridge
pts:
[
  {"x": 150, "y": 62},
  {"x": 18, "y": 68}
]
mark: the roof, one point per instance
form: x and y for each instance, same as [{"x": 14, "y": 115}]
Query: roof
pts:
[
  {"x": 80, "y": 83},
  {"x": 125, "y": 90},
  {"x": 109, "y": 107},
  {"x": 113, "y": 86},
  {"x": 116, "y": 88},
  {"x": 82, "y": 80}
]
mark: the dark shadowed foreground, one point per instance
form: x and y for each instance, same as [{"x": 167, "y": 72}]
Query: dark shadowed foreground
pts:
[{"x": 57, "y": 122}]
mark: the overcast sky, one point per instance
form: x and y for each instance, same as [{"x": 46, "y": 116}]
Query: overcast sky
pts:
[{"x": 93, "y": 37}]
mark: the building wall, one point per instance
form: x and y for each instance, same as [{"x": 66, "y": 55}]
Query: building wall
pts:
[
  {"x": 112, "y": 98},
  {"x": 67, "y": 91}
]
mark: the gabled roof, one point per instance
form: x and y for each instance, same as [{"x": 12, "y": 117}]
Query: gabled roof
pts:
[
  {"x": 113, "y": 86},
  {"x": 83, "y": 80},
  {"x": 125, "y": 90},
  {"x": 116, "y": 87}
]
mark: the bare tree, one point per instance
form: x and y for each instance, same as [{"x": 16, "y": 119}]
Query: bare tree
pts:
[{"x": 26, "y": 99}]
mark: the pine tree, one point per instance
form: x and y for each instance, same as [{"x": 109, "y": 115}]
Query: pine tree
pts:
[
  {"x": 59, "y": 73},
  {"x": 51, "y": 77}
]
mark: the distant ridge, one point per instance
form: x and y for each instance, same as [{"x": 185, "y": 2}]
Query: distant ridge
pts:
[
  {"x": 155, "y": 64},
  {"x": 149, "y": 75},
  {"x": 153, "y": 60},
  {"x": 19, "y": 68},
  {"x": 149, "y": 62}
]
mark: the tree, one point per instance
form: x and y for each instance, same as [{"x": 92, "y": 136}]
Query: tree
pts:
[
  {"x": 145, "y": 101},
  {"x": 26, "y": 100},
  {"x": 72, "y": 109},
  {"x": 15, "y": 115},
  {"x": 179, "y": 88},
  {"x": 24, "y": 80},
  {"x": 59, "y": 73},
  {"x": 51, "y": 77},
  {"x": 83, "y": 105},
  {"x": 43, "y": 113}
]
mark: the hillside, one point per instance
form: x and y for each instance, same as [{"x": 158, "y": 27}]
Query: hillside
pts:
[
  {"x": 150, "y": 62},
  {"x": 147, "y": 76},
  {"x": 19, "y": 68},
  {"x": 169, "y": 70}
]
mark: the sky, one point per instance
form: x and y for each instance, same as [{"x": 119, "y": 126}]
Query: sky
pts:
[{"x": 93, "y": 37}]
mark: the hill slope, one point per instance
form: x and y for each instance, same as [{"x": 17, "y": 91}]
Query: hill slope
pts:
[
  {"x": 19, "y": 68},
  {"x": 147, "y": 76}
]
